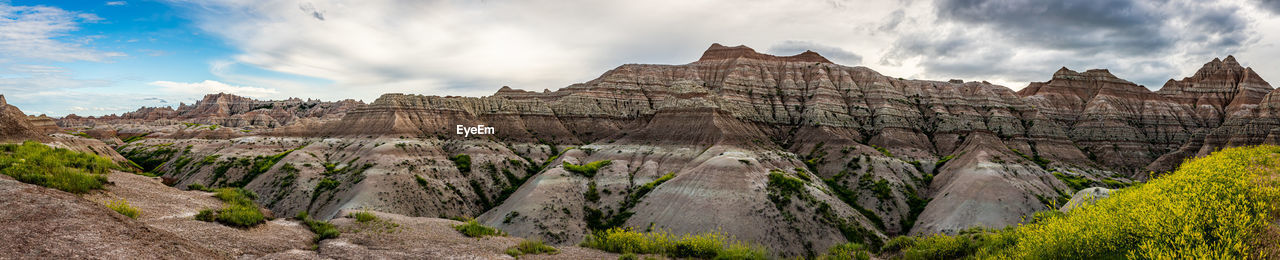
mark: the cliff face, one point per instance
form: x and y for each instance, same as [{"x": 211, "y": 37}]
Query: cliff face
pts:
[
  {"x": 731, "y": 104},
  {"x": 1115, "y": 122},
  {"x": 15, "y": 126},
  {"x": 1236, "y": 106},
  {"x": 878, "y": 155}
]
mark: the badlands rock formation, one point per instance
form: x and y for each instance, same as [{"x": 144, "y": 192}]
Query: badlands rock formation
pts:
[
  {"x": 224, "y": 110},
  {"x": 15, "y": 126},
  {"x": 702, "y": 147}
]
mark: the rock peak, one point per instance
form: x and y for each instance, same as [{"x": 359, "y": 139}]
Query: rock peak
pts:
[
  {"x": 1064, "y": 71},
  {"x": 721, "y": 52},
  {"x": 2, "y": 102}
]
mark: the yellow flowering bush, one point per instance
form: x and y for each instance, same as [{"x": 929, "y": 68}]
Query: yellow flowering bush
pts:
[
  {"x": 1210, "y": 207},
  {"x": 1215, "y": 207}
]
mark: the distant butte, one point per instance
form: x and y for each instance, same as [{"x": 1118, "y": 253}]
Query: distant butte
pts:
[{"x": 721, "y": 52}]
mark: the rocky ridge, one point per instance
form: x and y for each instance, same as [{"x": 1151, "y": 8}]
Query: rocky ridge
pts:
[
  {"x": 224, "y": 110},
  {"x": 881, "y": 156}
]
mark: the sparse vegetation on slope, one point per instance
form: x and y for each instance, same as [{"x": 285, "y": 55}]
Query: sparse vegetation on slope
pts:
[
  {"x": 530, "y": 247},
  {"x": 362, "y": 216},
  {"x": 1218, "y": 207},
  {"x": 589, "y": 170},
  {"x": 846, "y": 251},
  {"x": 474, "y": 229},
  {"x": 462, "y": 162},
  {"x": 122, "y": 206},
  {"x": 260, "y": 165},
  {"x": 62, "y": 169},
  {"x": 597, "y": 220},
  {"x": 322, "y": 229},
  {"x": 238, "y": 209},
  {"x": 705, "y": 246}
]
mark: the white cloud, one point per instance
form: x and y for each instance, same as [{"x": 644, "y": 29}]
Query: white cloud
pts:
[
  {"x": 40, "y": 33},
  {"x": 1015, "y": 42},
  {"x": 209, "y": 86},
  {"x": 368, "y": 47},
  {"x": 117, "y": 3},
  {"x": 475, "y": 47}
]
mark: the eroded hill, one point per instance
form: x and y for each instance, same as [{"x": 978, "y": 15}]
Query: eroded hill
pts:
[{"x": 795, "y": 153}]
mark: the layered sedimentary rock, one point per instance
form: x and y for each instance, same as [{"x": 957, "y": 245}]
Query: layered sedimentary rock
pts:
[
  {"x": 703, "y": 146},
  {"x": 16, "y": 126},
  {"x": 1236, "y": 106},
  {"x": 224, "y": 110},
  {"x": 1116, "y": 123}
]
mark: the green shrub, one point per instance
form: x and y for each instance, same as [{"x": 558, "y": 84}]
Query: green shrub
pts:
[
  {"x": 322, "y": 229},
  {"x": 589, "y": 170},
  {"x": 786, "y": 185},
  {"x": 882, "y": 189},
  {"x": 362, "y": 216},
  {"x": 327, "y": 184},
  {"x": 58, "y": 168},
  {"x": 238, "y": 209},
  {"x": 592, "y": 194},
  {"x": 206, "y": 215},
  {"x": 706, "y": 245},
  {"x": 883, "y": 151},
  {"x": 122, "y": 206},
  {"x": 898, "y": 244},
  {"x": 462, "y": 162},
  {"x": 628, "y": 256},
  {"x": 973, "y": 242},
  {"x": 235, "y": 195},
  {"x": 238, "y": 215},
  {"x": 530, "y": 247},
  {"x": 474, "y": 229},
  {"x": 1075, "y": 182}
]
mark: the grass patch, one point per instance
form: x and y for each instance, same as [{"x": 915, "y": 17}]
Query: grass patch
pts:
[
  {"x": 122, "y": 206},
  {"x": 238, "y": 209},
  {"x": 531, "y": 247},
  {"x": 589, "y": 170},
  {"x": 883, "y": 151},
  {"x": 322, "y": 229},
  {"x": 474, "y": 229},
  {"x": 206, "y": 215},
  {"x": 362, "y": 216},
  {"x": 785, "y": 184},
  {"x": 706, "y": 245},
  {"x": 462, "y": 162},
  {"x": 847, "y": 251},
  {"x": 239, "y": 215},
  {"x": 62, "y": 169},
  {"x": 1075, "y": 182}
]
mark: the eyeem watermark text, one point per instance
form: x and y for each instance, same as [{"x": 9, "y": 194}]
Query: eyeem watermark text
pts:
[{"x": 474, "y": 130}]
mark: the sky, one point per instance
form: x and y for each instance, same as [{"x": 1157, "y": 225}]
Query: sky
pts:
[{"x": 89, "y": 57}]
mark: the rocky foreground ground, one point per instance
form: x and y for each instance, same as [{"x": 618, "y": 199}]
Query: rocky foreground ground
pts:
[{"x": 38, "y": 222}]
